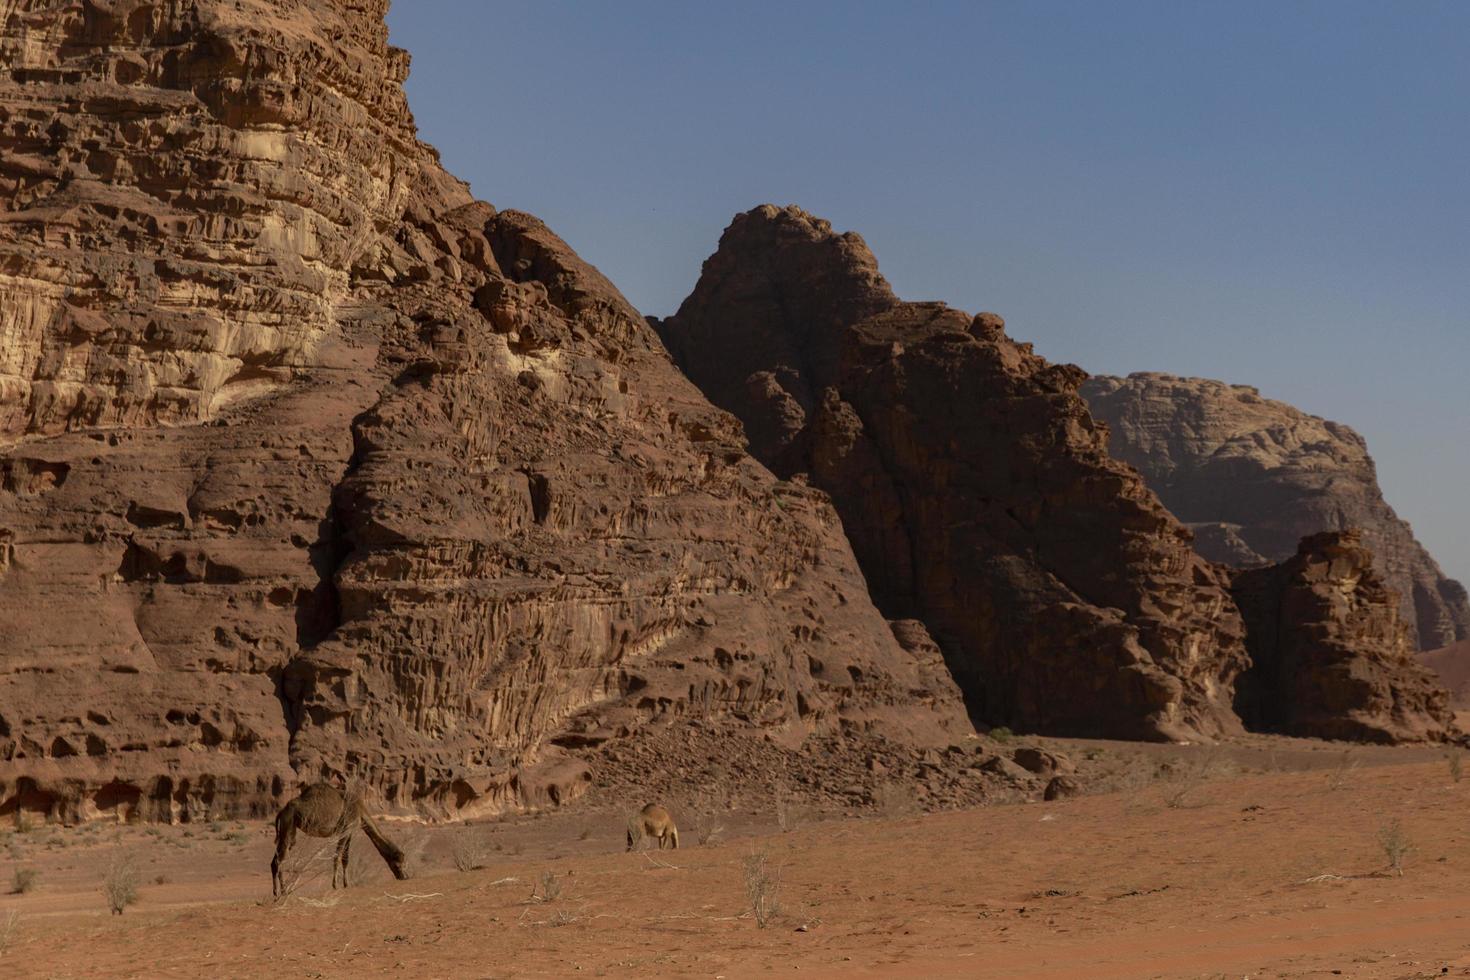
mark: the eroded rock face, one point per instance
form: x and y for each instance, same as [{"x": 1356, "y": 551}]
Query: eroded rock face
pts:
[
  {"x": 1253, "y": 476},
  {"x": 183, "y": 190},
  {"x": 1451, "y": 665},
  {"x": 1331, "y": 657},
  {"x": 975, "y": 488},
  {"x": 554, "y": 540},
  {"x": 314, "y": 466}
]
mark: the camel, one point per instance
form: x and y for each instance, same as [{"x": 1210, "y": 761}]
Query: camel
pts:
[
  {"x": 653, "y": 821},
  {"x": 323, "y": 810}
]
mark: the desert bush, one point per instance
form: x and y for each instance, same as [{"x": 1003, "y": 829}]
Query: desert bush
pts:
[
  {"x": 548, "y": 889},
  {"x": 8, "y": 923},
  {"x": 471, "y": 851},
  {"x": 1187, "y": 778},
  {"x": 1001, "y": 734},
  {"x": 1342, "y": 773},
  {"x": 24, "y": 881},
  {"x": 302, "y": 865},
  {"x": 786, "y": 817},
  {"x": 1396, "y": 845},
  {"x": 707, "y": 829},
  {"x": 762, "y": 886},
  {"x": 120, "y": 882}
]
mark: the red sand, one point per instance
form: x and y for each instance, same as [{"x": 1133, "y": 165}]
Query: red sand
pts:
[{"x": 1231, "y": 883}]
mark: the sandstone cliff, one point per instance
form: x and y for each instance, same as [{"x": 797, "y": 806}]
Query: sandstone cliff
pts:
[
  {"x": 310, "y": 464},
  {"x": 1451, "y": 665},
  {"x": 1331, "y": 657},
  {"x": 973, "y": 483},
  {"x": 1253, "y": 477}
]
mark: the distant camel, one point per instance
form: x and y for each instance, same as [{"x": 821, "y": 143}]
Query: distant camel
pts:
[
  {"x": 323, "y": 810},
  {"x": 653, "y": 821}
]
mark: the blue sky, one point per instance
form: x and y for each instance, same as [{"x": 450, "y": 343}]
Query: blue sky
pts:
[{"x": 1267, "y": 193}]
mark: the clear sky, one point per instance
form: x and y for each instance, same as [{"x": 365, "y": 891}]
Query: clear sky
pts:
[{"x": 1270, "y": 193}]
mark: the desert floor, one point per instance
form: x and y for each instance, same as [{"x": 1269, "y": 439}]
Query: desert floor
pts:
[{"x": 1264, "y": 860}]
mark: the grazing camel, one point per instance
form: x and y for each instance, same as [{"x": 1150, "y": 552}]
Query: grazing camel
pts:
[
  {"x": 323, "y": 810},
  {"x": 653, "y": 821}
]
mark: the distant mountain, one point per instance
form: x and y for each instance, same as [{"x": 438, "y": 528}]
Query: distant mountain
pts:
[{"x": 1253, "y": 477}]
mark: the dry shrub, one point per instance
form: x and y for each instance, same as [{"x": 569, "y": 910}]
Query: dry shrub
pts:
[
  {"x": 762, "y": 886},
  {"x": 1396, "y": 845},
  {"x": 704, "y": 826},
  {"x": 1185, "y": 780},
  {"x": 23, "y": 882},
  {"x": 471, "y": 851},
  {"x": 549, "y": 888},
  {"x": 8, "y": 922},
  {"x": 786, "y": 815},
  {"x": 120, "y": 882},
  {"x": 303, "y": 865},
  {"x": 1343, "y": 771}
]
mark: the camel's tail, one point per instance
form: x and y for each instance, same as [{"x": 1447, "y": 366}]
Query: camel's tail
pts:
[{"x": 391, "y": 852}]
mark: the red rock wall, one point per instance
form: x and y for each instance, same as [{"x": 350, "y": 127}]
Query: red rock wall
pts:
[
  {"x": 1331, "y": 657},
  {"x": 973, "y": 483},
  {"x": 1252, "y": 477},
  {"x": 309, "y": 464}
]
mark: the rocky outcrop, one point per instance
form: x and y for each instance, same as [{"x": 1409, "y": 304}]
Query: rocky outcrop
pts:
[
  {"x": 976, "y": 490},
  {"x": 313, "y": 466},
  {"x": 1252, "y": 477},
  {"x": 1451, "y": 665},
  {"x": 1331, "y": 657}
]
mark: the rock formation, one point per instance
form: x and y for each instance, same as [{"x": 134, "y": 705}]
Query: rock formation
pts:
[
  {"x": 1451, "y": 665},
  {"x": 312, "y": 466},
  {"x": 1252, "y": 477},
  {"x": 976, "y": 490},
  {"x": 1331, "y": 657}
]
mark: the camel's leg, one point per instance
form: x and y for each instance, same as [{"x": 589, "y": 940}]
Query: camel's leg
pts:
[
  {"x": 285, "y": 840},
  {"x": 663, "y": 836},
  {"x": 339, "y": 863},
  {"x": 673, "y": 839}
]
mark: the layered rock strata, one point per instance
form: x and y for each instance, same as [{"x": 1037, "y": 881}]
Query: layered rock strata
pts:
[
  {"x": 1252, "y": 477},
  {"x": 315, "y": 466}
]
